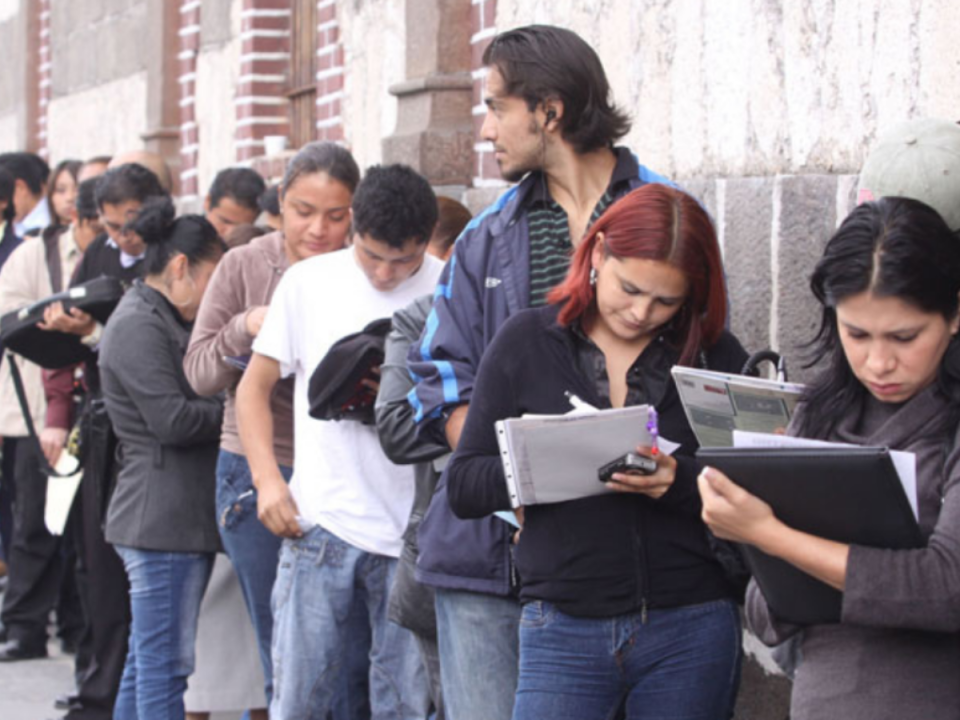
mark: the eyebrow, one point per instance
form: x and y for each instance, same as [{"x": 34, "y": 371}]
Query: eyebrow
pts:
[
  {"x": 898, "y": 331},
  {"x": 669, "y": 298}
]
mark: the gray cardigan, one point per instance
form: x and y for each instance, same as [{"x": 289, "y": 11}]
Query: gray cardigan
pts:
[
  {"x": 897, "y": 652},
  {"x": 164, "y": 497}
]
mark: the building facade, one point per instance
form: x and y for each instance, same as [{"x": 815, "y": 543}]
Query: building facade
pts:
[{"x": 764, "y": 109}]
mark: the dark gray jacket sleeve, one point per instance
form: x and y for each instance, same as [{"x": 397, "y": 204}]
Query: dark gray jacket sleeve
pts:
[
  {"x": 394, "y": 414},
  {"x": 142, "y": 360}
]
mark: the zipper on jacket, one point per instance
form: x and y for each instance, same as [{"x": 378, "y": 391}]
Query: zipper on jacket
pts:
[
  {"x": 642, "y": 570},
  {"x": 514, "y": 578}
]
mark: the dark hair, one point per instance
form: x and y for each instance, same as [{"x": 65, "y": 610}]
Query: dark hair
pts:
[
  {"x": 270, "y": 200},
  {"x": 7, "y": 181},
  {"x": 452, "y": 218},
  {"x": 543, "y": 62},
  {"x": 894, "y": 247},
  {"x": 394, "y": 203},
  {"x": 70, "y": 166},
  {"x": 30, "y": 168},
  {"x": 322, "y": 157},
  {"x": 242, "y": 234},
  {"x": 657, "y": 222},
  {"x": 243, "y": 185},
  {"x": 127, "y": 182},
  {"x": 87, "y": 200},
  {"x": 166, "y": 235}
]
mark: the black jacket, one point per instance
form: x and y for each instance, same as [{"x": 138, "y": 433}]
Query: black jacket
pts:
[{"x": 600, "y": 556}]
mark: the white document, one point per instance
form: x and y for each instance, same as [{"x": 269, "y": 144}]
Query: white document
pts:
[
  {"x": 60, "y": 493},
  {"x": 718, "y": 403},
  {"x": 554, "y": 458},
  {"x": 904, "y": 462}
]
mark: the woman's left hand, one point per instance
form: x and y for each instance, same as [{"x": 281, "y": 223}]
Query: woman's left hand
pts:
[
  {"x": 731, "y": 512},
  {"x": 654, "y": 485}
]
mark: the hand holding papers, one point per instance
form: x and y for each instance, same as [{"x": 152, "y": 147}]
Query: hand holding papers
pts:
[
  {"x": 554, "y": 458},
  {"x": 844, "y": 493}
]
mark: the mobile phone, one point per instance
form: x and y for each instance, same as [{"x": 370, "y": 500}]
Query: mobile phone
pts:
[{"x": 628, "y": 463}]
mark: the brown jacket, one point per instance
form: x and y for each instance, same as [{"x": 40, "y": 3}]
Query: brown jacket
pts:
[{"x": 246, "y": 278}]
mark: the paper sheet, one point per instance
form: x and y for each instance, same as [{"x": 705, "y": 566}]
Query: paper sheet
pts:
[{"x": 60, "y": 494}]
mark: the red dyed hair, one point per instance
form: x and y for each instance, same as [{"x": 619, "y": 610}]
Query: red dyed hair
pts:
[{"x": 657, "y": 222}]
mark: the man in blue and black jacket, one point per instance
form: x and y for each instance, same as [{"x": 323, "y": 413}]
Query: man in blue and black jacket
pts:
[{"x": 553, "y": 128}]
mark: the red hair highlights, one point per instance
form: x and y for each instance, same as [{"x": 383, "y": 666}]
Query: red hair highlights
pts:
[{"x": 657, "y": 222}]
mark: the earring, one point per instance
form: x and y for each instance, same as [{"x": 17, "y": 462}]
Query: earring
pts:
[{"x": 593, "y": 277}]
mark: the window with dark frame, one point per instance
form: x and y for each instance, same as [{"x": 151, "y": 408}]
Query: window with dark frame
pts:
[{"x": 302, "y": 95}]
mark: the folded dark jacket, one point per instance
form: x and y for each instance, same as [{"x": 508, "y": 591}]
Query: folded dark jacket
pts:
[{"x": 336, "y": 390}]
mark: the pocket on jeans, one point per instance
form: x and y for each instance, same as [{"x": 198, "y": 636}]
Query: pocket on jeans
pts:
[
  {"x": 236, "y": 496},
  {"x": 537, "y": 613},
  {"x": 286, "y": 570}
]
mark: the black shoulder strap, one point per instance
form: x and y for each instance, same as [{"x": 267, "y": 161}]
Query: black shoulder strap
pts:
[
  {"x": 45, "y": 466},
  {"x": 51, "y": 246}
]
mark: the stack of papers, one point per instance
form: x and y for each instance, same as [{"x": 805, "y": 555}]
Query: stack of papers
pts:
[{"x": 719, "y": 403}]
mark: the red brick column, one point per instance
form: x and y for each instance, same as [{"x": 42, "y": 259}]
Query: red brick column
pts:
[
  {"x": 483, "y": 19},
  {"x": 187, "y": 79},
  {"x": 329, "y": 73},
  {"x": 38, "y": 78},
  {"x": 264, "y": 63}
]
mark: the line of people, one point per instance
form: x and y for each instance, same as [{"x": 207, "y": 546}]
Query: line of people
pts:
[{"x": 380, "y": 577}]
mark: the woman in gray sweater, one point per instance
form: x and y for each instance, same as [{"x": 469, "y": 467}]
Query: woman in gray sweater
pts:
[
  {"x": 161, "y": 515},
  {"x": 889, "y": 283}
]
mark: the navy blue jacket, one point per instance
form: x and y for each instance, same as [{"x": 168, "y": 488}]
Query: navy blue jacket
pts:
[{"x": 486, "y": 281}]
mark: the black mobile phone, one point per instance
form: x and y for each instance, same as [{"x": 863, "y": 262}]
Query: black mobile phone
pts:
[{"x": 628, "y": 463}]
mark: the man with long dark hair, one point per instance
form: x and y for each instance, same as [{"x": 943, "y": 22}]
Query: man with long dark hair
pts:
[{"x": 553, "y": 128}]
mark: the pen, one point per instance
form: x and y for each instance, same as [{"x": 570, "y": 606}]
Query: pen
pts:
[
  {"x": 653, "y": 429},
  {"x": 577, "y": 403}
]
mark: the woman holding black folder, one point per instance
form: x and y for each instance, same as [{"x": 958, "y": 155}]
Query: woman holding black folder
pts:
[
  {"x": 623, "y": 601},
  {"x": 889, "y": 284}
]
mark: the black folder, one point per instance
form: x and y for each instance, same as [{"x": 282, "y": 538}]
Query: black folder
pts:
[{"x": 851, "y": 495}]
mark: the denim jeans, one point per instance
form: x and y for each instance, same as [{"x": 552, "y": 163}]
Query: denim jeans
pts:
[
  {"x": 679, "y": 663},
  {"x": 252, "y": 548},
  {"x": 165, "y": 593},
  {"x": 320, "y": 581},
  {"x": 477, "y": 635}
]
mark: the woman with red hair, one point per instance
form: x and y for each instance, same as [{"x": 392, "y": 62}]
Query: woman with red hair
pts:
[{"x": 624, "y": 603}]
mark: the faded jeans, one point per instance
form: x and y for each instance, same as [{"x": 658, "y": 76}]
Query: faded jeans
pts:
[
  {"x": 477, "y": 636},
  {"x": 321, "y": 579},
  {"x": 165, "y": 593}
]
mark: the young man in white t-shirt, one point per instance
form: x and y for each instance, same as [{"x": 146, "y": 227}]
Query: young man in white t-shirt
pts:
[{"x": 346, "y": 507}]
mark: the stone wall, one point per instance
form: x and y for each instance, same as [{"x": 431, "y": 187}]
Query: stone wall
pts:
[
  {"x": 374, "y": 37},
  {"x": 218, "y": 69},
  {"x": 98, "y": 77},
  {"x": 13, "y": 113},
  {"x": 756, "y": 87}
]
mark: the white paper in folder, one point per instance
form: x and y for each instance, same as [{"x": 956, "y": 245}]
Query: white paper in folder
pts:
[{"x": 554, "y": 458}]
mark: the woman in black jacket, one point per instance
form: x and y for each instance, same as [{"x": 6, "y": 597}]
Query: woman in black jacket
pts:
[
  {"x": 624, "y": 601},
  {"x": 161, "y": 518}
]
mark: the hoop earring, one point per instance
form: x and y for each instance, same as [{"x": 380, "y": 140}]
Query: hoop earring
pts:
[{"x": 593, "y": 277}]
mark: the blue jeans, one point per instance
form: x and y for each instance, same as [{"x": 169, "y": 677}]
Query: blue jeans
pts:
[
  {"x": 681, "y": 663},
  {"x": 320, "y": 581},
  {"x": 477, "y": 636},
  {"x": 252, "y": 548},
  {"x": 165, "y": 593}
]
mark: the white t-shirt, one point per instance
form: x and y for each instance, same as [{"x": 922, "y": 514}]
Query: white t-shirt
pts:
[{"x": 341, "y": 478}]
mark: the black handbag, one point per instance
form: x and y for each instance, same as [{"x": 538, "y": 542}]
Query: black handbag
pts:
[{"x": 52, "y": 349}]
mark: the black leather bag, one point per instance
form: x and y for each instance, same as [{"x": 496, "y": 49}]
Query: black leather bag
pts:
[
  {"x": 51, "y": 349},
  {"x": 336, "y": 390}
]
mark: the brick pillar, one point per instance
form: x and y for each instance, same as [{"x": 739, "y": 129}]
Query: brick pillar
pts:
[
  {"x": 329, "y": 73},
  {"x": 483, "y": 25},
  {"x": 264, "y": 64},
  {"x": 43, "y": 78},
  {"x": 187, "y": 79}
]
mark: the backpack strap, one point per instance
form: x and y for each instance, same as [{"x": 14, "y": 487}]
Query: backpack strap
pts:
[
  {"x": 51, "y": 247},
  {"x": 45, "y": 467}
]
